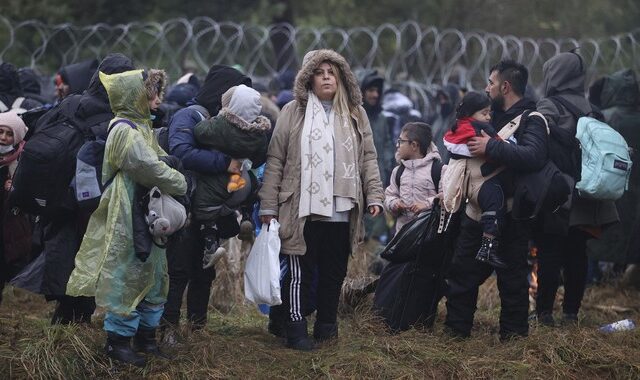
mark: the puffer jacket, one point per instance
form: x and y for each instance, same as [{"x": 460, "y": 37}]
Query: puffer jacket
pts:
[
  {"x": 182, "y": 142},
  {"x": 280, "y": 193},
  {"x": 416, "y": 185}
]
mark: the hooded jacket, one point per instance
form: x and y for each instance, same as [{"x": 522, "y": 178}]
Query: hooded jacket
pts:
[
  {"x": 10, "y": 88},
  {"x": 280, "y": 193},
  {"x": 564, "y": 76},
  {"x": 620, "y": 100},
  {"x": 78, "y": 75},
  {"x": 416, "y": 185},
  {"x": 381, "y": 126},
  {"x": 106, "y": 264},
  {"x": 63, "y": 235},
  {"x": 30, "y": 83},
  {"x": 182, "y": 142}
]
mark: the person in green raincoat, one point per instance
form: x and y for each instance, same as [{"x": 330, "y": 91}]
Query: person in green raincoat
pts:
[{"x": 132, "y": 291}]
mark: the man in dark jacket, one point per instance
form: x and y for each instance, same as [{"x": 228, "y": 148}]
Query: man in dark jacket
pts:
[
  {"x": 74, "y": 78},
  {"x": 507, "y": 82},
  {"x": 619, "y": 100},
  {"x": 185, "y": 254},
  {"x": 62, "y": 234},
  {"x": 560, "y": 236}
]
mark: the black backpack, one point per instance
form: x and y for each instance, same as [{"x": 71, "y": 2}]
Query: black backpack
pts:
[{"x": 48, "y": 162}]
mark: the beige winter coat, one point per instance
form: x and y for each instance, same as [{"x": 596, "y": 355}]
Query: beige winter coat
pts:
[{"x": 280, "y": 193}]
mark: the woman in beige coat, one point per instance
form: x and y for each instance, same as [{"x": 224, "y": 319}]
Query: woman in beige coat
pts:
[{"x": 321, "y": 175}]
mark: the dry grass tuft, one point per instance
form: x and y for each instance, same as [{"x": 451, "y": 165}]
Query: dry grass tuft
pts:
[{"x": 235, "y": 343}]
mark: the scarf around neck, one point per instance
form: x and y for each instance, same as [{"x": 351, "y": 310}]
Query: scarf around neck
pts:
[
  {"x": 12, "y": 156},
  {"x": 328, "y": 162}
]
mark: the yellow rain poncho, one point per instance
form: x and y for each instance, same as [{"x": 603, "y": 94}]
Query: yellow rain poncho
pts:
[{"x": 106, "y": 266}]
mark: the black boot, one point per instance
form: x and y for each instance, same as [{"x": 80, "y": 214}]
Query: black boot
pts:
[
  {"x": 277, "y": 328},
  {"x": 118, "y": 347},
  {"x": 298, "y": 337},
  {"x": 323, "y": 332},
  {"x": 488, "y": 253},
  {"x": 145, "y": 341},
  {"x": 277, "y": 321}
]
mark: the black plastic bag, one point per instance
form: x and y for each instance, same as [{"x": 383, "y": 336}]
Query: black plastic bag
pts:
[{"x": 407, "y": 243}]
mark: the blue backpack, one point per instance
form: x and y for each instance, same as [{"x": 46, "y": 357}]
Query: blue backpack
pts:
[
  {"x": 87, "y": 183},
  {"x": 606, "y": 163}
]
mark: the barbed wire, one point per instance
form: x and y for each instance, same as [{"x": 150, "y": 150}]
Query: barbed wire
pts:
[{"x": 411, "y": 57}]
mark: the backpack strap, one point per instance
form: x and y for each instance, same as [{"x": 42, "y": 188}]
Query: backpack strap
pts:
[
  {"x": 122, "y": 121},
  {"x": 204, "y": 113},
  {"x": 18, "y": 102},
  {"x": 573, "y": 110},
  {"x": 436, "y": 173},
  {"x": 399, "y": 172},
  {"x": 118, "y": 121}
]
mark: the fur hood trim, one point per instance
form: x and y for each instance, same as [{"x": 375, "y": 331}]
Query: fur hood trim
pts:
[
  {"x": 311, "y": 61},
  {"x": 155, "y": 79},
  {"x": 260, "y": 125}
]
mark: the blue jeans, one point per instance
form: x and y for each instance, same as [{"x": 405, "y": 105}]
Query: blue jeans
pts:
[{"x": 146, "y": 315}]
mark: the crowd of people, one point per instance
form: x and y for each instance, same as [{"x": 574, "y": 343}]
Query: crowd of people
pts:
[{"x": 328, "y": 152}]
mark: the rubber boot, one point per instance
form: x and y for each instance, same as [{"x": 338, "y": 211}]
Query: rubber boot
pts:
[
  {"x": 323, "y": 332},
  {"x": 145, "y": 341},
  {"x": 298, "y": 337},
  {"x": 118, "y": 347}
]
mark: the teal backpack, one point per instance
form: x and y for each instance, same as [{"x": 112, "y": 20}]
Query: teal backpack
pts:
[{"x": 606, "y": 164}]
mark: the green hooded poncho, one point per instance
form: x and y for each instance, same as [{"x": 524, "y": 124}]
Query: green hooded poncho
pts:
[{"x": 106, "y": 266}]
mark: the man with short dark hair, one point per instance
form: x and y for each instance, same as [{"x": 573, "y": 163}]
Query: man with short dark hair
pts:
[{"x": 525, "y": 151}]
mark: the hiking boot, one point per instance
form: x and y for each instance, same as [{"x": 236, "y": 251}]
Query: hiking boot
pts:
[
  {"x": 298, "y": 336},
  {"x": 488, "y": 253},
  {"x": 546, "y": 319},
  {"x": 118, "y": 347},
  {"x": 145, "y": 341},
  {"x": 323, "y": 332},
  {"x": 213, "y": 252}
]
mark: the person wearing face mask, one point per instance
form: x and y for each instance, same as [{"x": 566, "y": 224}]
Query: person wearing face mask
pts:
[{"x": 15, "y": 230}]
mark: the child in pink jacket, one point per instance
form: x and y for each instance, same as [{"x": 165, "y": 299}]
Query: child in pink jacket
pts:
[{"x": 415, "y": 191}]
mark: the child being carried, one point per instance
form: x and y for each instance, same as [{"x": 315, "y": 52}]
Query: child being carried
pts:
[
  {"x": 241, "y": 133},
  {"x": 472, "y": 117}
]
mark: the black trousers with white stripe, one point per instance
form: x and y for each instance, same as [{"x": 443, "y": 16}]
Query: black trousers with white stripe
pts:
[{"x": 314, "y": 280}]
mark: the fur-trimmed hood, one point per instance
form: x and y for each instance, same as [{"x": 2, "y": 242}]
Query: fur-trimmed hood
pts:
[
  {"x": 260, "y": 125},
  {"x": 156, "y": 80},
  {"x": 310, "y": 62}
]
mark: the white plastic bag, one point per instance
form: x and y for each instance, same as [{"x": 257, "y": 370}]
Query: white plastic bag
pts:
[{"x": 262, "y": 271}]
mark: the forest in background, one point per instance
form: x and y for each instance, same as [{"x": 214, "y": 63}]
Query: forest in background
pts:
[{"x": 522, "y": 18}]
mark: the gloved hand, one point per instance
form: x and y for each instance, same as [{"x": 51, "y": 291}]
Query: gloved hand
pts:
[{"x": 143, "y": 256}]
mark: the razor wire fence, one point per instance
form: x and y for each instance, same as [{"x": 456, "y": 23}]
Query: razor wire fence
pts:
[{"x": 411, "y": 57}]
